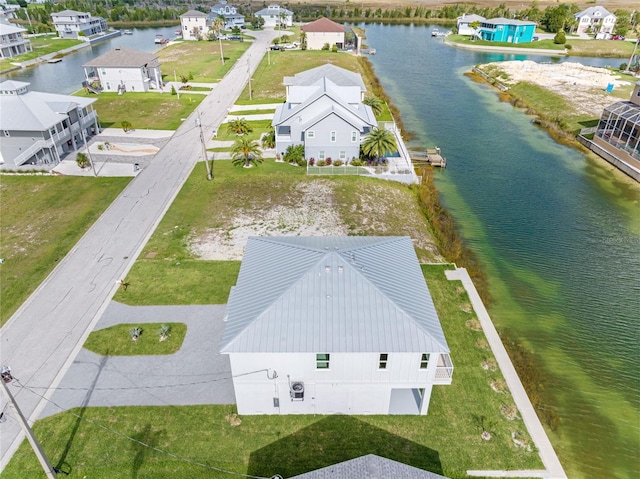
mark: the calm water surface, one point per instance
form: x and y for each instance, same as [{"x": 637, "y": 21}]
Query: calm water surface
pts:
[{"x": 559, "y": 235}]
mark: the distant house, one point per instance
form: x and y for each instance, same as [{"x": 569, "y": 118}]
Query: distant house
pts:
[
  {"x": 618, "y": 133},
  {"x": 369, "y": 467},
  {"x": 124, "y": 69},
  {"x": 333, "y": 325},
  {"x": 597, "y": 20},
  {"x": 507, "y": 30},
  {"x": 77, "y": 25},
  {"x": 12, "y": 42},
  {"x": 194, "y": 25},
  {"x": 324, "y": 31},
  {"x": 464, "y": 21},
  {"x": 39, "y": 128},
  {"x": 275, "y": 15},
  {"x": 232, "y": 18},
  {"x": 324, "y": 112}
]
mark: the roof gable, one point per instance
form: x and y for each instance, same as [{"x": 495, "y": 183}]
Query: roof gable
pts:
[
  {"x": 124, "y": 57},
  {"x": 337, "y": 75},
  {"x": 322, "y": 25},
  {"x": 193, "y": 13}
]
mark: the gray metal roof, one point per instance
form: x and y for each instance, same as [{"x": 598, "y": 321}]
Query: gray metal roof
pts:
[
  {"x": 271, "y": 9},
  {"x": 8, "y": 29},
  {"x": 124, "y": 57},
  {"x": 507, "y": 21},
  {"x": 193, "y": 13},
  {"x": 337, "y": 75},
  {"x": 369, "y": 467},
  {"x": 331, "y": 294},
  {"x": 68, "y": 13},
  {"x": 593, "y": 12}
]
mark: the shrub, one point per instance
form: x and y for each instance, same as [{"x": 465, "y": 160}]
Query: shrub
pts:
[
  {"x": 338, "y": 163},
  {"x": 100, "y": 146},
  {"x": 329, "y": 161},
  {"x": 326, "y": 47},
  {"x": 126, "y": 126},
  {"x": 568, "y": 46},
  {"x": 135, "y": 333},
  {"x": 312, "y": 161},
  {"x": 173, "y": 90},
  {"x": 560, "y": 38},
  {"x": 623, "y": 66},
  {"x": 334, "y": 48},
  {"x": 294, "y": 153},
  {"x": 82, "y": 161},
  {"x": 301, "y": 162},
  {"x": 356, "y": 162},
  {"x": 164, "y": 331},
  {"x": 322, "y": 163}
]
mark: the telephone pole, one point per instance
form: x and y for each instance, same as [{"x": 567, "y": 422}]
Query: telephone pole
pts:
[
  {"x": 204, "y": 150},
  {"x": 35, "y": 445}
]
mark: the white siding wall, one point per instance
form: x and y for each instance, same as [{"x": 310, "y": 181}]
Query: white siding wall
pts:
[
  {"x": 315, "y": 40},
  {"x": 353, "y": 384},
  {"x": 188, "y": 24},
  {"x": 131, "y": 77}
]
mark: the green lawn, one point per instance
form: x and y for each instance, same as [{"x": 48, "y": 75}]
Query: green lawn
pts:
[
  {"x": 259, "y": 127},
  {"x": 252, "y": 112},
  {"x": 602, "y": 48},
  {"x": 446, "y": 441},
  {"x": 116, "y": 340},
  {"x": 42, "y": 219},
  {"x": 150, "y": 110},
  {"x": 41, "y": 46},
  {"x": 201, "y": 59}
]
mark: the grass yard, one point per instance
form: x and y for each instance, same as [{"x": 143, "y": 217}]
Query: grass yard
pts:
[
  {"x": 150, "y": 110},
  {"x": 602, "y": 48},
  {"x": 259, "y": 127},
  {"x": 201, "y": 59},
  {"x": 42, "y": 219},
  {"x": 252, "y": 112},
  {"x": 116, "y": 340},
  {"x": 447, "y": 441},
  {"x": 41, "y": 46}
]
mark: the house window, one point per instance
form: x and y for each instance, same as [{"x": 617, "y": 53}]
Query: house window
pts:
[
  {"x": 424, "y": 361},
  {"x": 333, "y": 136},
  {"x": 321, "y": 155},
  {"x": 382, "y": 362},
  {"x": 52, "y": 131},
  {"x": 343, "y": 155},
  {"x": 104, "y": 71},
  {"x": 322, "y": 361},
  {"x": 354, "y": 136},
  {"x": 6, "y": 133},
  {"x": 311, "y": 134}
]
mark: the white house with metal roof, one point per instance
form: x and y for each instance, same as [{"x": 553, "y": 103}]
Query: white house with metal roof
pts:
[
  {"x": 77, "y": 25},
  {"x": 465, "y": 20},
  {"x": 124, "y": 69},
  {"x": 596, "y": 20},
  {"x": 37, "y": 128},
  {"x": 12, "y": 41},
  {"x": 194, "y": 25},
  {"x": 324, "y": 112},
  {"x": 333, "y": 325},
  {"x": 229, "y": 13},
  {"x": 275, "y": 15}
]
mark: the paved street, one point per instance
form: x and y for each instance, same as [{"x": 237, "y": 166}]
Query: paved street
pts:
[{"x": 44, "y": 336}]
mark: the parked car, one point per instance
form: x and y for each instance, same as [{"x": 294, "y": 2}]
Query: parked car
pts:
[
  {"x": 275, "y": 47},
  {"x": 235, "y": 37},
  {"x": 535, "y": 39},
  {"x": 618, "y": 37}
]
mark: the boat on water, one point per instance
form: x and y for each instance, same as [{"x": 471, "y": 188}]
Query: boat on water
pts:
[
  {"x": 178, "y": 32},
  {"x": 160, "y": 39},
  {"x": 54, "y": 60},
  {"x": 127, "y": 32},
  {"x": 439, "y": 34}
]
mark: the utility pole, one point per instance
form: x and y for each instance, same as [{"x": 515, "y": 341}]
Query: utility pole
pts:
[
  {"x": 249, "y": 72},
  {"x": 220, "y": 42},
  {"x": 204, "y": 150},
  {"x": 44, "y": 462},
  {"x": 268, "y": 55},
  {"x": 84, "y": 139}
]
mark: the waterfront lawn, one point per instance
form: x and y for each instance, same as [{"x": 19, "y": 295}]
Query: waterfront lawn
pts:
[
  {"x": 42, "y": 219},
  {"x": 116, "y": 340},
  {"x": 446, "y": 441},
  {"x": 201, "y": 59},
  {"x": 258, "y": 128},
  {"x": 41, "y": 46},
  {"x": 150, "y": 110},
  {"x": 602, "y": 48},
  {"x": 465, "y": 40}
]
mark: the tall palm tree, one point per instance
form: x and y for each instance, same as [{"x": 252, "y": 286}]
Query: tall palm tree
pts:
[
  {"x": 239, "y": 127},
  {"x": 303, "y": 40},
  {"x": 376, "y": 104},
  {"x": 217, "y": 25},
  {"x": 246, "y": 152},
  {"x": 378, "y": 142}
]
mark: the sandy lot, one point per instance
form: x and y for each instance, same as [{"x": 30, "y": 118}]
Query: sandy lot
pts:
[{"x": 583, "y": 86}]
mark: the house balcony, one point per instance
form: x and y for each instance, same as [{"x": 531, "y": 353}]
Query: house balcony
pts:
[
  {"x": 444, "y": 370},
  {"x": 32, "y": 150}
]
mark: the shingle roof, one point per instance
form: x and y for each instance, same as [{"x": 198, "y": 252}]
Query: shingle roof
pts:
[
  {"x": 337, "y": 75},
  {"x": 124, "y": 57},
  {"x": 322, "y": 25},
  {"x": 331, "y": 294},
  {"x": 369, "y": 467},
  {"x": 193, "y": 13}
]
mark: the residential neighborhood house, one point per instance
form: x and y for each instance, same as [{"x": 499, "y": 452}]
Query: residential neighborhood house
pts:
[
  {"x": 465, "y": 20},
  {"x": 507, "y": 30},
  {"x": 597, "y": 20},
  {"x": 275, "y": 15},
  {"x": 194, "y": 25},
  {"x": 124, "y": 69},
  {"x": 12, "y": 42},
  {"x": 323, "y": 32},
  {"x": 324, "y": 112},
  {"x": 40, "y": 128},
  {"x": 77, "y": 25},
  {"x": 232, "y": 18},
  {"x": 333, "y": 325}
]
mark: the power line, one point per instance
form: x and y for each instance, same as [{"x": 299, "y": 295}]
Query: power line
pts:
[{"x": 144, "y": 444}]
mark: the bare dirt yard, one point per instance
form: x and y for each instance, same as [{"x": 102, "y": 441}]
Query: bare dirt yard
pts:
[{"x": 582, "y": 86}]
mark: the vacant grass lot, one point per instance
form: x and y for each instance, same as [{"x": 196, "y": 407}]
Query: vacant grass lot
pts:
[
  {"x": 201, "y": 59},
  {"x": 601, "y": 48},
  {"x": 41, "y": 46},
  {"x": 116, "y": 341},
  {"x": 447, "y": 441},
  {"x": 42, "y": 219},
  {"x": 150, "y": 110}
]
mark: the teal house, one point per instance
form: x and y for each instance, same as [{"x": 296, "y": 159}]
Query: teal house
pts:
[{"x": 507, "y": 30}]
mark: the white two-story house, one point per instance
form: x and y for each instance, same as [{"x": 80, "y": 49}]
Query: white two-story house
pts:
[
  {"x": 597, "y": 20},
  {"x": 37, "y": 128},
  {"x": 275, "y": 15},
  {"x": 12, "y": 41},
  {"x": 124, "y": 69},
  {"x": 77, "y": 25},
  {"x": 194, "y": 25},
  {"x": 324, "y": 112},
  {"x": 323, "y": 32},
  {"x": 232, "y": 18},
  {"x": 333, "y": 325}
]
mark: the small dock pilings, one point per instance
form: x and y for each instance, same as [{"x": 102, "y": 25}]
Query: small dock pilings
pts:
[{"x": 430, "y": 156}]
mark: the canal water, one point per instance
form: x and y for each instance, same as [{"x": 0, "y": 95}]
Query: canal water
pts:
[
  {"x": 67, "y": 76},
  {"x": 558, "y": 234}
]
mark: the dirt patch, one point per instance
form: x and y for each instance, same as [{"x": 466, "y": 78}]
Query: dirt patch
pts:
[{"x": 582, "y": 86}]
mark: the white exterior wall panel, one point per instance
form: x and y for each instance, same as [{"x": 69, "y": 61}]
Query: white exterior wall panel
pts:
[
  {"x": 316, "y": 40},
  {"x": 132, "y": 78}
]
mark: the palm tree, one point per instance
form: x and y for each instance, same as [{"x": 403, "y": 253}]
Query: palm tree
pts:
[
  {"x": 218, "y": 24},
  {"x": 376, "y": 104},
  {"x": 378, "y": 142},
  {"x": 269, "y": 139},
  {"x": 246, "y": 152},
  {"x": 239, "y": 127},
  {"x": 283, "y": 20},
  {"x": 303, "y": 40},
  {"x": 475, "y": 25}
]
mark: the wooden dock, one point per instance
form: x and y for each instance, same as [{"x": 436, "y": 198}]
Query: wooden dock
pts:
[{"x": 430, "y": 156}]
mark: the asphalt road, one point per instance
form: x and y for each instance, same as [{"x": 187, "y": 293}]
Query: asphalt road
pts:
[{"x": 44, "y": 336}]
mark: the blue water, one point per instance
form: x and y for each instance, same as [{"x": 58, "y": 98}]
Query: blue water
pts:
[{"x": 558, "y": 234}]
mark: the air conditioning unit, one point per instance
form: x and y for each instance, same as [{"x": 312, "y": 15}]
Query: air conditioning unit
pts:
[{"x": 296, "y": 390}]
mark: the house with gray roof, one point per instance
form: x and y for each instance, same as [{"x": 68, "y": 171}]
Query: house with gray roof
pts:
[
  {"x": 77, "y": 25},
  {"x": 232, "y": 18},
  {"x": 465, "y": 20},
  {"x": 194, "y": 25},
  {"x": 324, "y": 112},
  {"x": 596, "y": 20},
  {"x": 333, "y": 325},
  {"x": 38, "y": 128},
  {"x": 275, "y": 15},
  {"x": 12, "y": 41},
  {"x": 124, "y": 69}
]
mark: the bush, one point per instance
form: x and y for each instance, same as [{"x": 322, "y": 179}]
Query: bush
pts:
[
  {"x": 326, "y": 47},
  {"x": 338, "y": 163},
  {"x": 356, "y": 162},
  {"x": 173, "y": 90},
  {"x": 334, "y": 48},
  {"x": 312, "y": 161},
  {"x": 568, "y": 46},
  {"x": 322, "y": 163},
  {"x": 294, "y": 153},
  {"x": 623, "y": 66},
  {"x": 329, "y": 161},
  {"x": 82, "y": 161},
  {"x": 560, "y": 38},
  {"x": 301, "y": 162}
]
